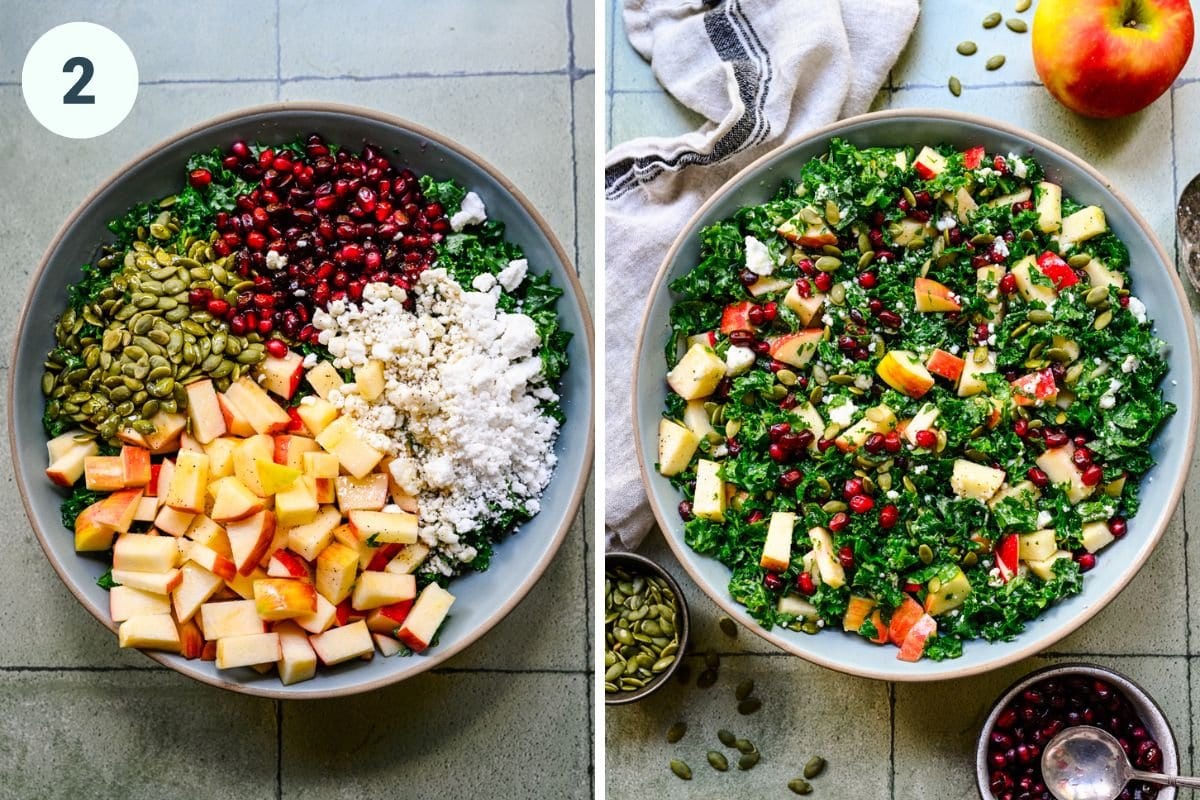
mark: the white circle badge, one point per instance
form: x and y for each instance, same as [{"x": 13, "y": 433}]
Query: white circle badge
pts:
[{"x": 80, "y": 80}]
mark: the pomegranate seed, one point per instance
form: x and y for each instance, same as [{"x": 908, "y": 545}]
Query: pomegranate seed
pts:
[
  {"x": 1020, "y": 427},
  {"x": 755, "y": 516},
  {"x": 790, "y": 479},
  {"x": 926, "y": 438},
  {"x": 982, "y": 332},
  {"x": 804, "y": 287},
  {"x": 1086, "y": 561},
  {"x": 874, "y": 443},
  {"x": 1092, "y": 475},
  {"x": 903, "y": 204},
  {"x": 756, "y": 315},
  {"x": 218, "y": 308},
  {"x": 838, "y": 521},
  {"x": 875, "y": 305},
  {"x": 1081, "y": 458},
  {"x": 772, "y": 581},
  {"x": 891, "y": 319},
  {"x": 1008, "y": 283},
  {"x": 891, "y": 442},
  {"x": 853, "y": 488},
  {"x": 889, "y": 515},
  {"x": 778, "y": 429},
  {"x": 1118, "y": 527},
  {"x": 824, "y": 444},
  {"x": 804, "y": 439},
  {"x": 1124, "y": 301},
  {"x": 747, "y": 277},
  {"x": 805, "y": 584},
  {"x": 770, "y": 311},
  {"x": 685, "y": 510},
  {"x": 741, "y": 338},
  {"x": 276, "y": 348},
  {"x": 912, "y": 588},
  {"x": 823, "y": 281},
  {"x": 776, "y": 452},
  {"x": 807, "y": 267},
  {"x": 255, "y": 240},
  {"x": 861, "y": 504},
  {"x": 885, "y": 256},
  {"x": 199, "y": 297},
  {"x": 1038, "y": 478},
  {"x": 762, "y": 347},
  {"x": 846, "y": 557},
  {"x": 240, "y": 149},
  {"x": 199, "y": 178},
  {"x": 867, "y": 280},
  {"x": 237, "y": 326},
  {"x": 1055, "y": 439}
]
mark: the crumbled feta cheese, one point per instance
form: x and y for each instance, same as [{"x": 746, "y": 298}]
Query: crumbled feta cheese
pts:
[
  {"x": 986, "y": 172},
  {"x": 1138, "y": 309},
  {"x": 842, "y": 413},
  {"x": 738, "y": 360},
  {"x": 1107, "y": 401},
  {"x": 1130, "y": 364},
  {"x": 994, "y": 579},
  {"x": 511, "y": 276},
  {"x": 275, "y": 261},
  {"x": 947, "y": 222},
  {"x": 1018, "y": 167},
  {"x": 758, "y": 257},
  {"x": 483, "y": 282},
  {"x": 460, "y": 414},
  {"x": 1044, "y": 518},
  {"x": 826, "y": 319},
  {"x": 309, "y": 361},
  {"x": 920, "y": 469},
  {"x": 472, "y": 212},
  {"x": 864, "y": 381},
  {"x": 1000, "y": 248}
]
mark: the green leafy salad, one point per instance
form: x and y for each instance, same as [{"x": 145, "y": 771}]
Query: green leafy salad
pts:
[{"x": 911, "y": 396}]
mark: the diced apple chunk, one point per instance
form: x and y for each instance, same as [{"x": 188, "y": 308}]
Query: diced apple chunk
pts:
[
  {"x": 1036, "y": 546},
  {"x": 150, "y": 632},
  {"x": 249, "y": 539},
  {"x": 676, "y": 446},
  {"x": 832, "y": 572},
  {"x": 264, "y": 414},
  {"x": 143, "y": 553},
  {"x": 323, "y": 378},
  {"x": 386, "y": 527},
  {"x": 284, "y": 598},
  {"x": 1096, "y": 536},
  {"x": 229, "y": 618},
  {"x": 156, "y": 582},
  {"x": 1059, "y": 467},
  {"x": 204, "y": 411},
  {"x": 709, "y": 499},
  {"x": 342, "y": 644},
  {"x": 973, "y": 480},
  {"x": 195, "y": 588},
  {"x": 970, "y": 382},
  {"x": 1049, "y": 207},
  {"x": 425, "y": 618},
  {"x": 103, "y": 473},
  {"x": 697, "y": 373},
  {"x": 1086, "y": 223},
  {"x": 68, "y": 466},
  {"x": 337, "y": 566},
  {"x": 369, "y": 379},
  {"x": 126, "y": 602},
  {"x": 248, "y": 650},
  {"x": 186, "y": 492},
  {"x": 298, "y": 661},
  {"x": 1032, "y": 284},
  {"x": 321, "y": 619},
  {"x": 281, "y": 376},
  {"x": 375, "y": 589},
  {"x": 118, "y": 509},
  {"x": 1045, "y": 569},
  {"x": 368, "y": 493},
  {"x": 777, "y": 549},
  {"x": 408, "y": 559},
  {"x": 310, "y": 539}
]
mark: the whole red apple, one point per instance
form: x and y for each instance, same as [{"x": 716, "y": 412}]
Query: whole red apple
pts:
[{"x": 1108, "y": 58}]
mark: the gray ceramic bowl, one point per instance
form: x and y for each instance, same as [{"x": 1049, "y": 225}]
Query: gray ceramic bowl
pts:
[
  {"x": 1154, "y": 279},
  {"x": 1152, "y": 717},
  {"x": 483, "y": 598},
  {"x": 644, "y": 566}
]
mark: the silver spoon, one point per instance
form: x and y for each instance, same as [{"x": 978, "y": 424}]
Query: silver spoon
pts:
[
  {"x": 1086, "y": 763},
  {"x": 1187, "y": 224}
]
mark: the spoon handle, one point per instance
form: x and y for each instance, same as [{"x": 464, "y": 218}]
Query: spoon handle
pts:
[{"x": 1164, "y": 780}]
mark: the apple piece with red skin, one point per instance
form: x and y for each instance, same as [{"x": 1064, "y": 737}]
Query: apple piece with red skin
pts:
[
  {"x": 386, "y": 619},
  {"x": 706, "y": 339},
  {"x": 929, "y": 163},
  {"x": 236, "y": 423},
  {"x": 337, "y": 567},
  {"x": 204, "y": 411},
  {"x": 945, "y": 365},
  {"x": 736, "y": 317},
  {"x": 290, "y": 450},
  {"x": 216, "y": 563},
  {"x": 310, "y": 539},
  {"x": 281, "y": 376},
  {"x": 187, "y": 489},
  {"x": 398, "y": 527},
  {"x": 383, "y": 556},
  {"x": 62, "y": 444},
  {"x": 796, "y": 349},
  {"x": 283, "y": 598},
  {"x": 1057, "y": 270},
  {"x": 1035, "y": 389},
  {"x": 914, "y": 643},
  {"x": 103, "y": 473},
  {"x": 1109, "y": 58},
  {"x": 388, "y": 646},
  {"x": 147, "y": 509},
  {"x": 90, "y": 535},
  {"x": 1008, "y": 557},
  {"x": 118, "y": 509},
  {"x": 191, "y": 640},
  {"x": 157, "y": 582},
  {"x": 264, "y": 414},
  {"x": 249, "y": 539},
  {"x": 168, "y": 428},
  {"x": 320, "y": 620},
  {"x": 195, "y": 587},
  {"x": 904, "y": 372},
  {"x": 368, "y": 494},
  {"x": 344, "y": 614},
  {"x": 342, "y": 644},
  {"x": 234, "y": 501},
  {"x": 136, "y": 464},
  {"x": 376, "y": 589},
  {"x": 973, "y": 157},
  {"x": 811, "y": 232},
  {"x": 425, "y": 618},
  {"x": 175, "y": 522},
  {"x": 246, "y": 458},
  {"x": 933, "y": 297},
  {"x": 286, "y": 564},
  {"x": 68, "y": 467}
]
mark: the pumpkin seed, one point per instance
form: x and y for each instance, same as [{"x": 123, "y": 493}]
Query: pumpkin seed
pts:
[
  {"x": 749, "y": 706},
  {"x": 786, "y": 377},
  {"x": 744, "y": 746},
  {"x": 831, "y": 250},
  {"x": 909, "y": 196},
  {"x": 814, "y": 767},
  {"x": 992, "y": 20},
  {"x": 994, "y": 63},
  {"x": 832, "y": 214},
  {"x": 1039, "y": 316},
  {"x": 967, "y": 48},
  {"x": 726, "y": 737},
  {"x": 866, "y": 258},
  {"x": 1096, "y": 295},
  {"x": 681, "y": 770},
  {"x": 1079, "y": 260},
  {"x": 834, "y": 507},
  {"x": 925, "y": 553},
  {"x": 1016, "y": 25},
  {"x": 800, "y": 786},
  {"x": 1023, "y": 6},
  {"x": 955, "y": 86},
  {"x": 1102, "y": 320},
  {"x": 827, "y": 263},
  {"x": 717, "y": 761},
  {"x": 749, "y": 760},
  {"x": 676, "y": 732},
  {"x": 744, "y": 689}
]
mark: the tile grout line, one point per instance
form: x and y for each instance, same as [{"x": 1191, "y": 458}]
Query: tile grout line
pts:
[
  {"x": 278, "y": 750},
  {"x": 892, "y": 741},
  {"x": 278, "y": 51},
  {"x": 612, "y": 72}
]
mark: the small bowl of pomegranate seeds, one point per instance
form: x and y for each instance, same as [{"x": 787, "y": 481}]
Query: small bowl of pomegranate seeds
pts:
[
  {"x": 315, "y": 414},
  {"x": 1044, "y": 703}
]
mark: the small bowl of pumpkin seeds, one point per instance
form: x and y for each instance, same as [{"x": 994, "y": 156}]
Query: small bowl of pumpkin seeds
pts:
[{"x": 645, "y": 627}]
